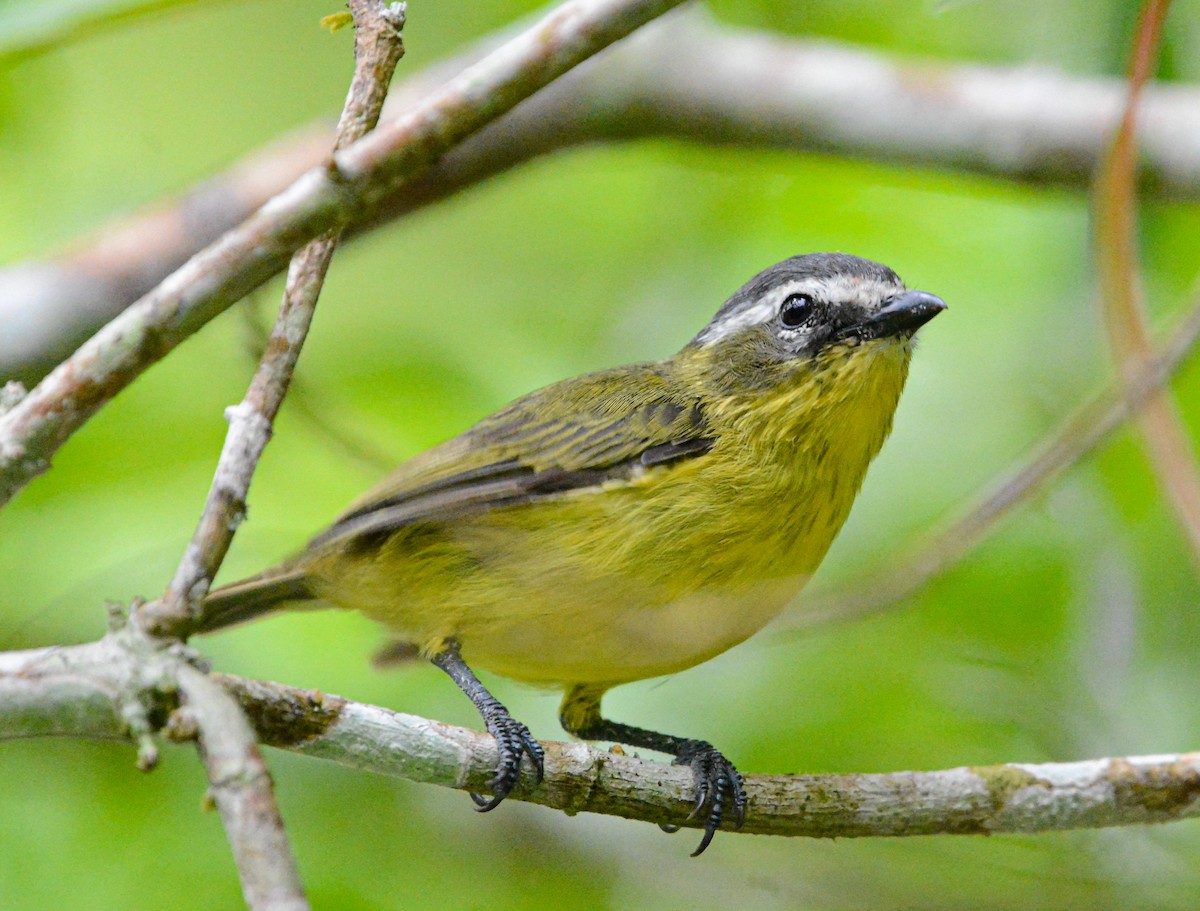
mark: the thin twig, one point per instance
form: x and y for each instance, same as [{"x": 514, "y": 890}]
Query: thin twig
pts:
[
  {"x": 1077, "y": 436},
  {"x": 123, "y": 687},
  {"x": 355, "y": 180},
  {"x": 378, "y": 48},
  {"x": 685, "y": 78},
  {"x": 240, "y": 786},
  {"x": 1122, "y": 294},
  {"x": 1145, "y": 377},
  {"x": 54, "y": 691},
  {"x": 239, "y": 782}
]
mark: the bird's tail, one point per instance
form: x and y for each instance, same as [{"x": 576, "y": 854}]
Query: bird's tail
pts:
[{"x": 261, "y": 594}]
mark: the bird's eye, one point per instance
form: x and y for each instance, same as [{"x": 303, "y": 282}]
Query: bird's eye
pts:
[{"x": 796, "y": 310}]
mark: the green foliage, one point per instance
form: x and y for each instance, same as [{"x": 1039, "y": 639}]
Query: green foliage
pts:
[
  {"x": 1069, "y": 634},
  {"x": 33, "y": 28}
]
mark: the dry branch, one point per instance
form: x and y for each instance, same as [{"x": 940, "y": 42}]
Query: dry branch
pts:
[
  {"x": 55, "y": 691},
  {"x": 123, "y": 685},
  {"x": 354, "y": 181},
  {"x": 240, "y": 786},
  {"x": 239, "y": 782},
  {"x": 1122, "y": 295},
  {"x": 377, "y": 49},
  {"x": 1014, "y": 797},
  {"x": 684, "y": 78}
]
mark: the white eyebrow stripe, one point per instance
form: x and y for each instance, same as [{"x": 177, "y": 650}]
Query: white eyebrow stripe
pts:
[
  {"x": 855, "y": 289},
  {"x": 851, "y": 289},
  {"x": 761, "y": 311}
]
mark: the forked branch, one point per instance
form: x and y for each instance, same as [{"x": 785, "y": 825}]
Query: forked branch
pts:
[
  {"x": 69, "y": 692},
  {"x": 685, "y": 78},
  {"x": 354, "y": 181}
]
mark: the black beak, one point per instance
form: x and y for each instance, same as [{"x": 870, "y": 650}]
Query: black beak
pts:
[{"x": 903, "y": 314}]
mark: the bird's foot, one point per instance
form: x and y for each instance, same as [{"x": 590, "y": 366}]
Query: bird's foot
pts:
[
  {"x": 513, "y": 740},
  {"x": 718, "y": 785}
]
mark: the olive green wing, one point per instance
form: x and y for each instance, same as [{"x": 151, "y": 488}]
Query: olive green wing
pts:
[{"x": 576, "y": 434}]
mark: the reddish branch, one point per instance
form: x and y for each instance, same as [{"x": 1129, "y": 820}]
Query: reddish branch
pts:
[
  {"x": 45, "y": 688},
  {"x": 1115, "y": 224},
  {"x": 1084, "y": 430}
]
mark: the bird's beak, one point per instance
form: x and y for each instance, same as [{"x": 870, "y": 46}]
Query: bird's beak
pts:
[{"x": 904, "y": 314}]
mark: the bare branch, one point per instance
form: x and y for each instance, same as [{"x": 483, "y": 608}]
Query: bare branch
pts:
[
  {"x": 1144, "y": 377},
  {"x": 74, "y": 691},
  {"x": 1014, "y": 797},
  {"x": 240, "y": 786},
  {"x": 355, "y": 180},
  {"x": 377, "y": 50},
  {"x": 239, "y": 782},
  {"x": 1077, "y": 436},
  {"x": 121, "y": 687},
  {"x": 987, "y": 799},
  {"x": 684, "y": 78}
]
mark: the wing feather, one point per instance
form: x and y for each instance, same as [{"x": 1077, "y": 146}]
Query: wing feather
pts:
[{"x": 573, "y": 435}]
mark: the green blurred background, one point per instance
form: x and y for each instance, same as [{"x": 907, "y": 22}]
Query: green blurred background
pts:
[{"x": 1071, "y": 633}]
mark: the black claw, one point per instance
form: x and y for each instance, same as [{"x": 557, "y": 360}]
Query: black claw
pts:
[
  {"x": 483, "y": 804},
  {"x": 717, "y": 780},
  {"x": 717, "y": 784},
  {"x": 709, "y": 831},
  {"x": 513, "y": 740},
  {"x": 536, "y": 755}
]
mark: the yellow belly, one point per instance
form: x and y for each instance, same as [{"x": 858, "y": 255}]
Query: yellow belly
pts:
[
  {"x": 600, "y": 587},
  {"x": 605, "y": 641}
]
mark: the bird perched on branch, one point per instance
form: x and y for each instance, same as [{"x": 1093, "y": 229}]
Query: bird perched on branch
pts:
[{"x": 632, "y": 522}]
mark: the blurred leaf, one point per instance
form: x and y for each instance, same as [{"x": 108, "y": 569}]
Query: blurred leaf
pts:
[{"x": 27, "y": 29}]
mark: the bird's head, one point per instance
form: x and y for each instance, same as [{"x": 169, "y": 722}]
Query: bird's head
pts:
[{"x": 827, "y": 324}]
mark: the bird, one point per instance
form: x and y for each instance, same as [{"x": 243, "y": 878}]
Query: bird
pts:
[{"x": 628, "y": 523}]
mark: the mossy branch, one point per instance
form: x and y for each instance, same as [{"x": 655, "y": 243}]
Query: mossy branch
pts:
[{"x": 75, "y": 691}]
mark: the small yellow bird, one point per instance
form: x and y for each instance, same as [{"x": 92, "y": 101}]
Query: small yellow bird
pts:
[{"x": 632, "y": 522}]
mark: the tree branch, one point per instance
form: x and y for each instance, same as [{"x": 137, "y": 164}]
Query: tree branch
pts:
[
  {"x": 684, "y": 78},
  {"x": 125, "y": 686},
  {"x": 60, "y": 697},
  {"x": 354, "y": 181},
  {"x": 1014, "y": 797},
  {"x": 1144, "y": 377},
  {"x": 1122, "y": 296},
  {"x": 239, "y": 783},
  {"x": 240, "y": 786},
  {"x": 377, "y": 49}
]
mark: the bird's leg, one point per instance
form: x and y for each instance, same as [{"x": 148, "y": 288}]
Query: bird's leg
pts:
[
  {"x": 512, "y": 738},
  {"x": 718, "y": 782}
]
